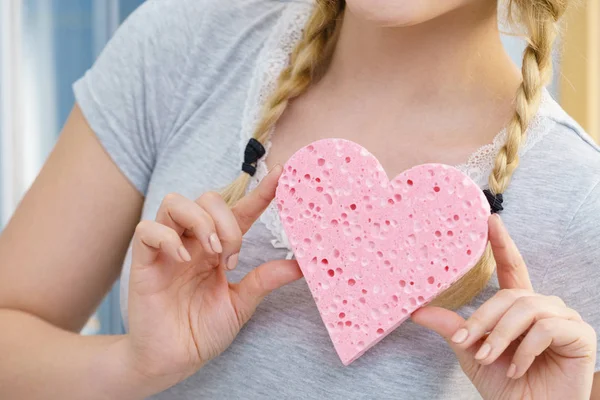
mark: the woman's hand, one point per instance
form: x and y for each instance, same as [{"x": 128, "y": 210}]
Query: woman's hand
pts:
[
  {"x": 182, "y": 310},
  {"x": 519, "y": 344}
]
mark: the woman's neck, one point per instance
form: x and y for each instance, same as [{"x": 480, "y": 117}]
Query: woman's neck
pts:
[
  {"x": 434, "y": 92},
  {"x": 457, "y": 57}
]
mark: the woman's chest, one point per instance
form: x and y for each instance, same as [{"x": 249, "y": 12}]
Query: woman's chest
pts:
[{"x": 395, "y": 142}]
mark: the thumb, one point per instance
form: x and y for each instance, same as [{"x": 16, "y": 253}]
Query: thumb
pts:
[
  {"x": 262, "y": 280},
  {"x": 510, "y": 266},
  {"x": 250, "y": 207},
  {"x": 445, "y": 323}
]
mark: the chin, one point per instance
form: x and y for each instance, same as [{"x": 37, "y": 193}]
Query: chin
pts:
[{"x": 401, "y": 13}]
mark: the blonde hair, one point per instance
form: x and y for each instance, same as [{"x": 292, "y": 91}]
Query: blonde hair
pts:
[{"x": 538, "y": 17}]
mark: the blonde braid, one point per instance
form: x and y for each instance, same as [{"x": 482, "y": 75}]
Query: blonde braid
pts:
[
  {"x": 540, "y": 18},
  {"x": 310, "y": 53}
]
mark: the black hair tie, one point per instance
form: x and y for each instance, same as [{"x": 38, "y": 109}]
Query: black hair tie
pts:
[
  {"x": 254, "y": 152},
  {"x": 495, "y": 201}
]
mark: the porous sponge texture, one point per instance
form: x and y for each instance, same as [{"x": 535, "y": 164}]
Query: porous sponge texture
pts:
[{"x": 374, "y": 250}]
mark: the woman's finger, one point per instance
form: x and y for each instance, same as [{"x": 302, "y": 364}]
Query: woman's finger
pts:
[
  {"x": 226, "y": 224},
  {"x": 261, "y": 281},
  {"x": 151, "y": 238},
  {"x": 181, "y": 214},
  {"x": 517, "y": 320},
  {"x": 445, "y": 323},
  {"x": 573, "y": 339},
  {"x": 510, "y": 266},
  {"x": 487, "y": 316},
  {"x": 250, "y": 207}
]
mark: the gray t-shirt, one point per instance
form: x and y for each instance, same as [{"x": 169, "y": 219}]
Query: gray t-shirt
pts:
[{"x": 173, "y": 99}]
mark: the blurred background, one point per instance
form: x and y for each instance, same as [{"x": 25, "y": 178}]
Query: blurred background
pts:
[{"x": 48, "y": 44}]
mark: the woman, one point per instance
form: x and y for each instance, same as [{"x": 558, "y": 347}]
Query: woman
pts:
[{"x": 169, "y": 108}]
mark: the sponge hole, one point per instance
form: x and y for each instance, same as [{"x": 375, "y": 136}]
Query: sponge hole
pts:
[
  {"x": 431, "y": 280},
  {"x": 351, "y": 282},
  {"x": 380, "y": 331},
  {"x": 321, "y": 162}
]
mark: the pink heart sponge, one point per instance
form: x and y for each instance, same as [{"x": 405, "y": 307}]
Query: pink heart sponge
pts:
[{"x": 374, "y": 250}]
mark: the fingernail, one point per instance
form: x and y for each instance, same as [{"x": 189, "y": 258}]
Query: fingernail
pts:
[
  {"x": 499, "y": 218},
  {"x": 460, "y": 336},
  {"x": 276, "y": 168},
  {"x": 511, "y": 371},
  {"x": 483, "y": 352},
  {"x": 215, "y": 243},
  {"x": 184, "y": 254},
  {"x": 232, "y": 261}
]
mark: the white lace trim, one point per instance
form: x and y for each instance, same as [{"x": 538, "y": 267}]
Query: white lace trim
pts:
[
  {"x": 479, "y": 165},
  {"x": 275, "y": 57}
]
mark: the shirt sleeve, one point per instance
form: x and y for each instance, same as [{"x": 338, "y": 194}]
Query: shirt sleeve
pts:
[
  {"x": 127, "y": 97},
  {"x": 574, "y": 270}
]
